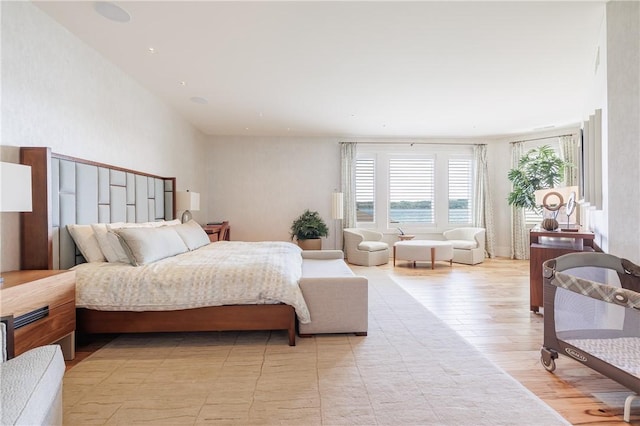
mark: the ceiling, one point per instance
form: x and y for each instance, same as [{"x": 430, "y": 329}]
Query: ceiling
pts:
[{"x": 354, "y": 69}]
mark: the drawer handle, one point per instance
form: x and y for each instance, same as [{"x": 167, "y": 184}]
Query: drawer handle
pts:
[{"x": 29, "y": 317}]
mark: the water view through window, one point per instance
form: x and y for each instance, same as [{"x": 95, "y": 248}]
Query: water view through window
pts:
[
  {"x": 407, "y": 189},
  {"x": 409, "y": 213}
]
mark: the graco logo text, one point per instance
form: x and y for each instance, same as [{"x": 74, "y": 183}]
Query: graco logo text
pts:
[{"x": 575, "y": 354}]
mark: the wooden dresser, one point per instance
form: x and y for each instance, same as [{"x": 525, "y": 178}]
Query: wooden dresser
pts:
[
  {"x": 43, "y": 306},
  {"x": 545, "y": 245}
]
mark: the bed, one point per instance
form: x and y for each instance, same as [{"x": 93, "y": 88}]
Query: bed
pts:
[
  {"x": 70, "y": 191},
  {"x": 592, "y": 314}
]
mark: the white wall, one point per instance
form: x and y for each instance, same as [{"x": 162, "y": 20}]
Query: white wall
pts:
[
  {"x": 58, "y": 92},
  {"x": 623, "y": 132},
  {"x": 596, "y": 98},
  {"x": 261, "y": 184}
]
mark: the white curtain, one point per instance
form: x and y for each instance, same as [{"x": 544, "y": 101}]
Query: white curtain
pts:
[
  {"x": 348, "y": 176},
  {"x": 569, "y": 151},
  {"x": 519, "y": 235},
  {"x": 482, "y": 205}
]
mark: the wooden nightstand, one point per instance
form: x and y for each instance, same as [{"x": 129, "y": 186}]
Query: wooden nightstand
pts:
[
  {"x": 218, "y": 231},
  {"x": 43, "y": 305}
]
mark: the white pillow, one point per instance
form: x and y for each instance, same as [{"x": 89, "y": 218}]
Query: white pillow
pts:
[
  {"x": 109, "y": 243},
  {"x": 86, "y": 241},
  {"x": 192, "y": 234},
  {"x": 146, "y": 245},
  {"x": 171, "y": 222}
]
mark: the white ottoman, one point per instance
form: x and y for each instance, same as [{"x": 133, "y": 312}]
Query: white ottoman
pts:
[{"x": 423, "y": 251}]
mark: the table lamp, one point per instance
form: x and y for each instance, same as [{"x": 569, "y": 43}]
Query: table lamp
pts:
[
  {"x": 187, "y": 201},
  {"x": 15, "y": 189}
]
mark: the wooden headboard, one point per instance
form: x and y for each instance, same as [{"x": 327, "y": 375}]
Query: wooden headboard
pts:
[{"x": 69, "y": 190}]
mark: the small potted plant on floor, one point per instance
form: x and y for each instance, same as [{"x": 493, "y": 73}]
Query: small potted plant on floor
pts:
[{"x": 307, "y": 229}]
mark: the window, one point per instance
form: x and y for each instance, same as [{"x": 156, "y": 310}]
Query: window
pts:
[
  {"x": 411, "y": 190},
  {"x": 365, "y": 194},
  {"x": 531, "y": 216},
  {"x": 460, "y": 195},
  {"x": 418, "y": 187}
]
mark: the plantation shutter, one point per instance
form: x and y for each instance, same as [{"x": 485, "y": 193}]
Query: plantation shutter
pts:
[
  {"x": 365, "y": 190},
  {"x": 411, "y": 190},
  {"x": 460, "y": 191}
]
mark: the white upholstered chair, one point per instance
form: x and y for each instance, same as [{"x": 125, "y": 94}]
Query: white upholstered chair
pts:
[
  {"x": 468, "y": 244},
  {"x": 31, "y": 385},
  {"x": 364, "y": 247}
]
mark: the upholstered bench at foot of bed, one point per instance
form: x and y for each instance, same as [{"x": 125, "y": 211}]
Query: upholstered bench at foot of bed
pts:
[{"x": 338, "y": 301}]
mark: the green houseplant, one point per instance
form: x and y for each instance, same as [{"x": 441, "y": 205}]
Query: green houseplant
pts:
[
  {"x": 539, "y": 168},
  {"x": 307, "y": 230}
]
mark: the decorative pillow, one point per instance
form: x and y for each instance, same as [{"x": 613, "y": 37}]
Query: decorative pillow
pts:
[
  {"x": 146, "y": 245},
  {"x": 109, "y": 243},
  {"x": 86, "y": 241},
  {"x": 192, "y": 234}
]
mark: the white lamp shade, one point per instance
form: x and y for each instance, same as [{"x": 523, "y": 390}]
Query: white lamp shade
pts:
[
  {"x": 187, "y": 200},
  {"x": 15, "y": 187},
  {"x": 336, "y": 206}
]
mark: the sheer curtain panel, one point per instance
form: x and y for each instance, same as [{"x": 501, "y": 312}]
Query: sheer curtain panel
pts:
[
  {"x": 519, "y": 235},
  {"x": 348, "y": 176},
  {"x": 482, "y": 205},
  {"x": 569, "y": 146}
]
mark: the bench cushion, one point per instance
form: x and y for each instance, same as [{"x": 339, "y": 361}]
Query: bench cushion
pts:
[
  {"x": 316, "y": 268},
  {"x": 372, "y": 246},
  {"x": 464, "y": 244}
]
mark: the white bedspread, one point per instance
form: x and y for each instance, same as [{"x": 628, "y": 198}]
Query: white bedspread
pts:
[{"x": 223, "y": 273}]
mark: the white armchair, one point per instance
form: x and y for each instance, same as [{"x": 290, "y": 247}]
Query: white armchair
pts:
[
  {"x": 468, "y": 244},
  {"x": 31, "y": 382},
  {"x": 364, "y": 247}
]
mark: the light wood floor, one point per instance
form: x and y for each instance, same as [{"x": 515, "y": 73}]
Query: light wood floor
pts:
[{"x": 488, "y": 304}]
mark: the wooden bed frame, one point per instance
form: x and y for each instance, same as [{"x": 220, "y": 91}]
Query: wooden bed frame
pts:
[{"x": 38, "y": 252}]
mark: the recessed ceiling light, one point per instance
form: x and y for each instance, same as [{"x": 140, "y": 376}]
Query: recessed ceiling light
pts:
[
  {"x": 112, "y": 11},
  {"x": 152, "y": 50},
  {"x": 183, "y": 83},
  {"x": 199, "y": 100}
]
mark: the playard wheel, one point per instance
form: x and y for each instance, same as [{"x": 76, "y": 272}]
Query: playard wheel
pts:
[{"x": 550, "y": 365}]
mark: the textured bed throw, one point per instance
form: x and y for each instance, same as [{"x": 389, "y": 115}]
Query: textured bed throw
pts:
[{"x": 223, "y": 273}]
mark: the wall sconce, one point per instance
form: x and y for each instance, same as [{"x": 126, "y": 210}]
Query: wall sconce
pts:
[{"x": 187, "y": 201}]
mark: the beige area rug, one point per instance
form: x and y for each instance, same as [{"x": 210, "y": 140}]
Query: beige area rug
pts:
[{"x": 410, "y": 370}]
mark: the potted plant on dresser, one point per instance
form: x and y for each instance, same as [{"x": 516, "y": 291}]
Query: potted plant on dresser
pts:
[
  {"x": 539, "y": 168},
  {"x": 308, "y": 229}
]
